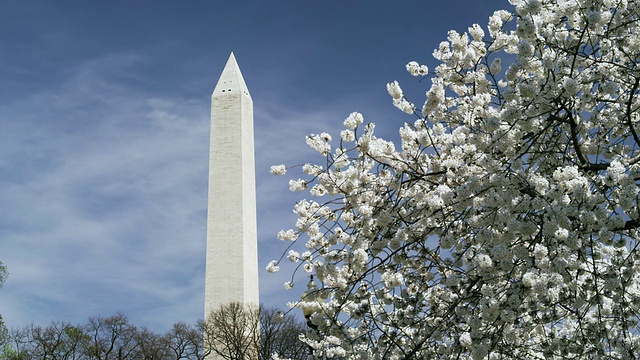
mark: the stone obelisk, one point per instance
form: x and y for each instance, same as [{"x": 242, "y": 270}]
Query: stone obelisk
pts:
[{"x": 232, "y": 247}]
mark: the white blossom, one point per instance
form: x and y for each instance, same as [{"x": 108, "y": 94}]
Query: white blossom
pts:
[
  {"x": 394, "y": 90},
  {"x": 354, "y": 119},
  {"x": 496, "y": 66},
  {"x": 347, "y": 136},
  {"x": 297, "y": 185},
  {"x": 484, "y": 261},
  {"x": 392, "y": 280},
  {"x": 416, "y": 69},
  {"x": 273, "y": 266},
  {"x": 293, "y": 256},
  {"x": 320, "y": 143},
  {"x": 308, "y": 267},
  {"x": 278, "y": 170},
  {"x": 288, "y": 235},
  {"x": 571, "y": 86},
  {"x": 312, "y": 169},
  {"x": 476, "y": 32},
  {"x": 561, "y": 234},
  {"x": 404, "y": 105},
  {"x": 318, "y": 190}
]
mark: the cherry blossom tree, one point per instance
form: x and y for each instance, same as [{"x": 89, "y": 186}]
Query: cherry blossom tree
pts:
[{"x": 505, "y": 222}]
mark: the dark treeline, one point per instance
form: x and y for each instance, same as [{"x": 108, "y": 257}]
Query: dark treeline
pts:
[{"x": 114, "y": 337}]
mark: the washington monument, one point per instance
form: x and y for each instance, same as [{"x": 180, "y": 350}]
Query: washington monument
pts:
[{"x": 232, "y": 249}]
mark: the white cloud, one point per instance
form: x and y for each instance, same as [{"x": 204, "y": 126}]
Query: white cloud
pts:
[{"x": 105, "y": 196}]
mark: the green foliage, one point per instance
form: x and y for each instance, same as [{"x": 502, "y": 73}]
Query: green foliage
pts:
[
  {"x": 3, "y": 273},
  {"x": 4, "y": 333},
  {"x": 8, "y": 353}
]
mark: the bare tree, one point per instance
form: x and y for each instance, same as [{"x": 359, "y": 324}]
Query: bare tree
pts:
[
  {"x": 233, "y": 332},
  {"x": 185, "y": 341},
  {"x": 150, "y": 346},
  {"x": 110, "y": 338},
  {"x": 59, "y": 340},
  {"x": 280, "y": 333}
]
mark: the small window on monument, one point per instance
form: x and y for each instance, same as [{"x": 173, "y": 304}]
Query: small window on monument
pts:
[
  {"x": 229, "y": 90},
  {"x": 223, "y": 90}
]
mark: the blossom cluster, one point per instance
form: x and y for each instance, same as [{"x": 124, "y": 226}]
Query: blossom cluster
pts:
[{"x": 505, "y": 223}]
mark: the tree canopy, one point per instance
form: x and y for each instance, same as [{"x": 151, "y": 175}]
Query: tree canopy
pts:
[
  {"x": 3, "y": 273},
  {"x": 505, "y": 222},
  {"x": 231, "y": 332}
]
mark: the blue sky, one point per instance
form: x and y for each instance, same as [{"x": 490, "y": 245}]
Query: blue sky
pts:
[{"x": 104, "y": 120}]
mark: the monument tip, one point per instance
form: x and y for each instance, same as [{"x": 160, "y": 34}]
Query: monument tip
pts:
[{"x": 230, "y": 79}]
